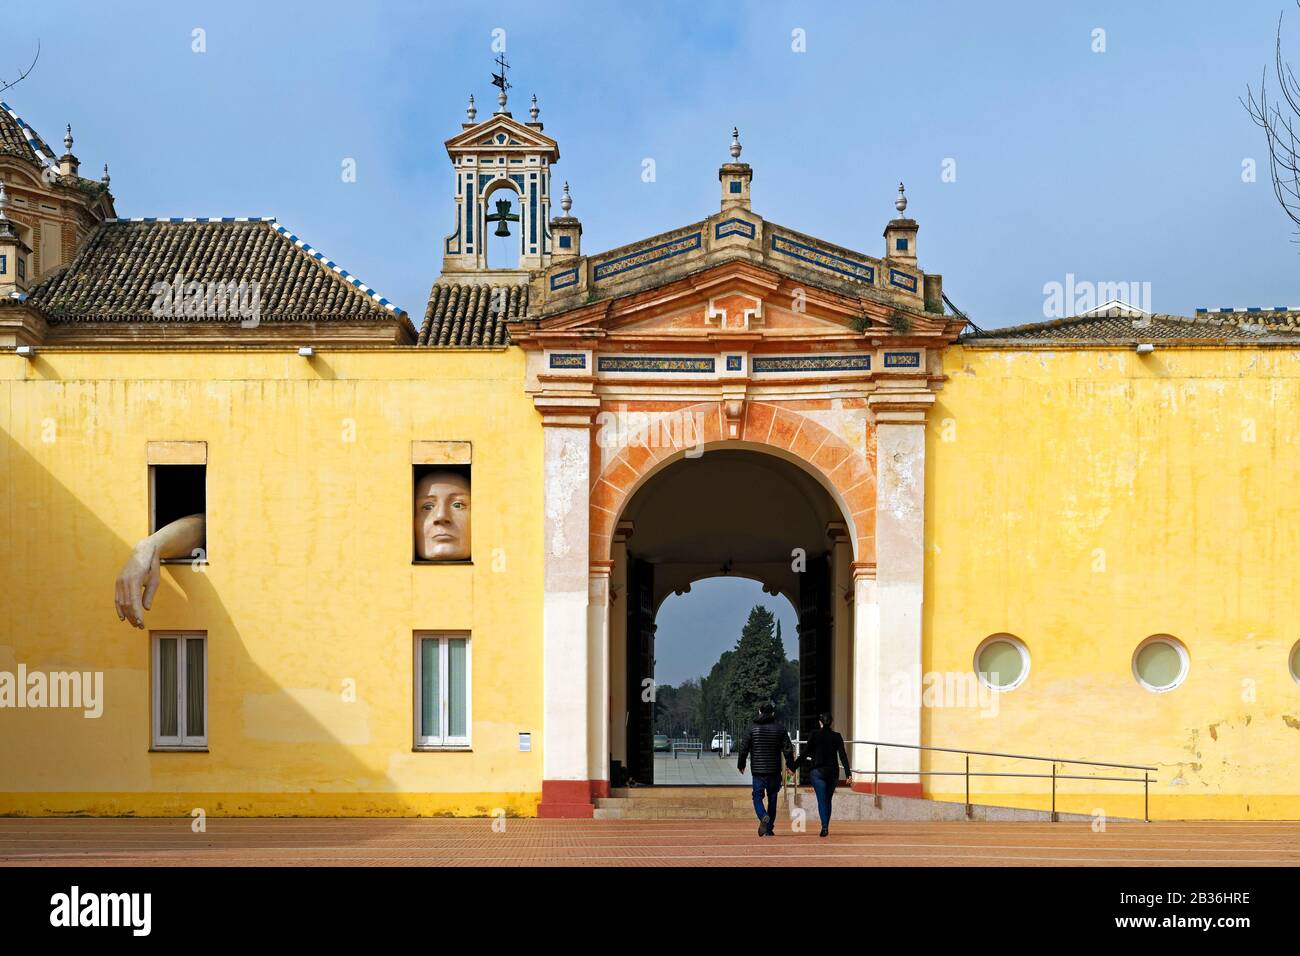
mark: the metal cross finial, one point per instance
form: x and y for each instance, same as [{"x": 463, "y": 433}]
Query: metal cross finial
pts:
[
  {"x": 471, "y": 111},
  {"x": 901, "y": 202},
  {"x": 566, "y": 201},
  {"x": 534, "y": 111},
  {"x": 500, "y": 82},
  {"x": 735, "y": 142},
  {"x": 67, "y": 139}
]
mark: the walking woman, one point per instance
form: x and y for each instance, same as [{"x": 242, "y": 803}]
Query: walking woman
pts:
[{"x": 825, "y": 751}]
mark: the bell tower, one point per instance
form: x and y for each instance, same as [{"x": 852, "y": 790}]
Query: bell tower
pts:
[{"x": 503, "y": 188}]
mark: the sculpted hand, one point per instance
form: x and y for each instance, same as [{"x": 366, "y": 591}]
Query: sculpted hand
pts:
[
  {"x": 138, "y": 582},
  {"x": 140, "y": 573}
]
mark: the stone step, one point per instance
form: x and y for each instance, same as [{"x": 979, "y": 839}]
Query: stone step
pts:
[
  {"x": 731, "y": 803},
  {"x": 716, "y": 803}
]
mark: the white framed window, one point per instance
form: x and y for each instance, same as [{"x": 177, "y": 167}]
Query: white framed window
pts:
[
  {"x": 1002, "y": 662},
  {"x": 1160, "y": 663},
  {"x": 180, "y": 690},
  {"x": 442, "y": 690}
]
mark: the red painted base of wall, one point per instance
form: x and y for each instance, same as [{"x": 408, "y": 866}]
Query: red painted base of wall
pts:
[
  {"x": 566, "y": 800},
  {"x": 890, "y": 789},
  {"x": 599, "y": 788}
]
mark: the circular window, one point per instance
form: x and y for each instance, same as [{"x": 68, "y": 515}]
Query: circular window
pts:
[
  {"x": 1002, "y": 662},
  {"x": 1160, "y": 663},
  {"x": 1295, "y": 662}
]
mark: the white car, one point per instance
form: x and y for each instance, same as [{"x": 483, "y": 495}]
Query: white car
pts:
[{"x": 718, "y": 742}]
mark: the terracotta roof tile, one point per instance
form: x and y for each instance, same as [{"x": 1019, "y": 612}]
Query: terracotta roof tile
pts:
[
  {"x": 1101, "y": 329},
  {"x": 468, "y": 314},
  {"x": 113, "y": 276}
]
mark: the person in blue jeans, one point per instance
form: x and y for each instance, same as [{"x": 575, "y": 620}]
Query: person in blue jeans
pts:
[
  {"x": 825, "y": 747},
  {"x": 764, "y": 745}
]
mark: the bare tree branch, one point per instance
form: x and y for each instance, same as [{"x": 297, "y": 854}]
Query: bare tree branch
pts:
[
  {"x": 9, "y": 84},
  {"x": 1278, "y": 119}
]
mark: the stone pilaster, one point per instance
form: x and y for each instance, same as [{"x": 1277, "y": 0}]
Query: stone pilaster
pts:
[
  {"x": 566, "y": 669},
  {"x": 891, "y": 662}
]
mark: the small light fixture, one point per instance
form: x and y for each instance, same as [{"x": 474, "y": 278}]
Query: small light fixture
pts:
[
  {"x": 26, "y": 351},
  {"x": 1146, "y": 348},
  {"x": 306, "y": 351}
]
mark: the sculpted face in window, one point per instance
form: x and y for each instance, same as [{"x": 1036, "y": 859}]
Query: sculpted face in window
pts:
[{"x": 442, "y": 516}]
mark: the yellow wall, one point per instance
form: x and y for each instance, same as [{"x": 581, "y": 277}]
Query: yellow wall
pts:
[
  {"x": 310, "y": 581},
  {"x": 1080, "y": 500},
  {"x": 1084, "y": 500}
]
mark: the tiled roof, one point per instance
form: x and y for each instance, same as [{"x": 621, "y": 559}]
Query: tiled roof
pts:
[
  {"x": 465, "y": 314},
  {"x": 19, "y": 139},
  {"x": 113, "y": 276},
  {"x": 1237, "y": 326}
]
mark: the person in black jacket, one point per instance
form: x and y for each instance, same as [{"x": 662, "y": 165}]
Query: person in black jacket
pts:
[
  {"x": 764, "y": 744},
  {"x": 824, "y": 747}
]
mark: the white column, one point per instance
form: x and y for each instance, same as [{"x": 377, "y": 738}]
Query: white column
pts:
[
  {"x": 900, "y": 576},
  {"x": 866, "y": 666},
  {"x": 598, "y": 673},
  {"x": 565, "y": 670}
]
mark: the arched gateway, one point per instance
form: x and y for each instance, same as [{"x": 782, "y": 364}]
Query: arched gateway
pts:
[{"x": 730, "y": 335}]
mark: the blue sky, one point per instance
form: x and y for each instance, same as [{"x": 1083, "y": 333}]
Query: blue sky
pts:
[
  {"x": 696, "y": 627},
  {"x": 1115, "y": 166}
]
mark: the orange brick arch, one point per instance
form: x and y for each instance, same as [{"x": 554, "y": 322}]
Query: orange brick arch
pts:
[{"x": 848, "y": 473}]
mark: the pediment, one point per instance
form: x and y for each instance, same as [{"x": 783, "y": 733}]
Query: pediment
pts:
[
  {"x": 501, "y": 133},
  {"x": 740, "y": 300}
]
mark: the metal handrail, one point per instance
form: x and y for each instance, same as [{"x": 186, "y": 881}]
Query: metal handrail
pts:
[
  {"x": 991, "y": 753},
  {"x": 1145, "y": 779}
]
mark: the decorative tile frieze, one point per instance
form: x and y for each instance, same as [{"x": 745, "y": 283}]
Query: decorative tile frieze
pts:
[
  {"x": 902, "y": 280},
  {"x": 639, "y": 363},
  {"x": 564, "y": 279},
  {"x": 734, "y": 227},
  {"x": 903, "y": 360},
  {"x": 644, "y": 257},
  {"x": 811, "y": 363},
  {"x": 861, "y": 271},
  {"x": 568, "y": 360}
]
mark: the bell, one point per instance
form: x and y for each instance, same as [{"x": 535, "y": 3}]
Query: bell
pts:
[{"x": 502, "y": 217}]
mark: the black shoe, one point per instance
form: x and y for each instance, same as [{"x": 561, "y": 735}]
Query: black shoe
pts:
[
  {"x": 765, "y": 826},
  {"x": 823, "y": 833},
  {"x": 771, "y": 832}
]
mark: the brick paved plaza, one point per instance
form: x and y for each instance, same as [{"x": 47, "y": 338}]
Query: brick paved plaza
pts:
[{"x": 524, "y": 842}]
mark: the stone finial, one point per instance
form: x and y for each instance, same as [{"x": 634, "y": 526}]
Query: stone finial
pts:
[
  {"x": 67, "y": 139},
  {"x": 104, "y": 179},
  {"x": 534, "y": 111},
  {"x": 566, "y": 201},
  {"x": 471, "y": 111},
  {"x": 4, "y": 200},
  {"x": 735, "y": 143},
  {"x": 501, "y": 101},
  {"x": 901, "y": 202}
]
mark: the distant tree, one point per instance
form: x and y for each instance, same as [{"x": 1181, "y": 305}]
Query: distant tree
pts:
[
  {"x": 756, "y": 673},
  {"x": 711, "y": 710},
  {"x": 677, "y": 709}
]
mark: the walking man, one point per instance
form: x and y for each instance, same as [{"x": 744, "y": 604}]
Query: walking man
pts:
[{"x": 764, "y": 745}]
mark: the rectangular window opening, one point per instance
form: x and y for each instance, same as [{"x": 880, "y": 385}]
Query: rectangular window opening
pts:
[
  {"x": 180, "y": 691},
  {"x": 175, "y": 492},
  {"x": 441, "y": 503},
  {"x": 442, "y": 691}
]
